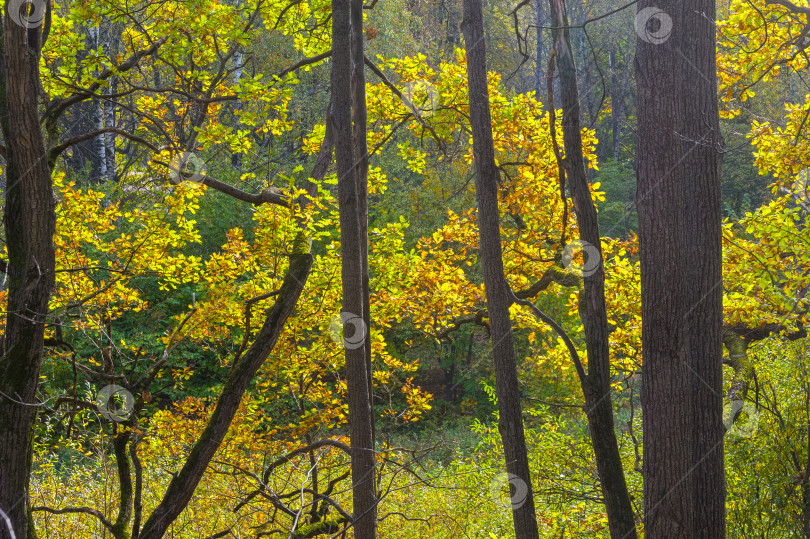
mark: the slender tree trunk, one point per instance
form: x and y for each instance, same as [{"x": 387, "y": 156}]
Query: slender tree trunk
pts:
[
  {"x": 360, "y": 137},
  {"x": 237, "y": 158},
  {"x": 681, "y": 282},
  {"x": 352, "y": 269},
  {"x": 541, "y": 21},
  {"x": 499, "y": 295},
  {"x": 593, "y": 310},
  {"x": 109, "y": 138},
  {"x": 805, "y": 483},
  {"x": 111, "y": 39},
  {"x": 617, "y": 103},
  {"x": 98, "y": 172},
  {"x": 181, "y": 488},
  {"x": 30, "y": 223}
]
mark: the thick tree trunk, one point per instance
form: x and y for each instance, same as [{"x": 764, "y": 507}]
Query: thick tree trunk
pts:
[
  {"x": 681, "y": 282},
  {"x": 30, "y": 223},
  {"x": 499, "y": 295},
  {"x": 352, "y": 270},
  {"x": 593, "y": 310}
]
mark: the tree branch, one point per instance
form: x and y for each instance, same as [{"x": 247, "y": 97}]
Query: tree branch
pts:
[
  {"x": 572, "y": 351},
  {"x": 86, "y": 510},
  {"x": 56, "y": 108},
  {"x": 57, "y": 150}
]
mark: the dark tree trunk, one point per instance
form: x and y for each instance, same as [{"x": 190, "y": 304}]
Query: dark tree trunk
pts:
[
  {"x": 617, "y": 102},
  {"x": 499, "y": 295},
  {"x": 352, "y": 274},
  {"x": 593, "y": 311},
  {"x": 681, "y": 282},
  {"x": 541, "y": 21},
  {"x": 30, "y": 224},
  {"x": 359, "y": 134}
]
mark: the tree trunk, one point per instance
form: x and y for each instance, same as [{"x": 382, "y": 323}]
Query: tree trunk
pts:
[
  {"x": 30, "y": 224},
  {"x": 98, "y": 172},
  {"x": 352, "y": 242},
  {"x": 360, "y": 137},
  {"x": 182, "y": 486},
  {"x": 541, "y": 21},
  {"x": 499, "y": 295},
  {"x": 681, "y": 281},
  {"x": 593, "y": 310},
  {"x": 616, "y": 101}
]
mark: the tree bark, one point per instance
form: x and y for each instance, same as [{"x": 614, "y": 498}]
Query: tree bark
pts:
[
  {"x": 359, "y": 118},
  {"x": 499, "y": 295},
  {"x": 616, "y": 102},
  {"x": 352, "y": 270},
  {"x": 541, "y": 21},
  {"x": 592, "y": 307},
  {"x": 681, "y": 282},
  {"x": 30, "y": 224}
]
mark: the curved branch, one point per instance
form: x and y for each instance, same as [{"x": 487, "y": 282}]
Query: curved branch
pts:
[
  {"x": 303, "y": 450},
  {"x": 572, "y": 351},
  {"x": 86, "y": 510},
  {"x": 58, "y": 107},
  {"x": 57, "y": 150},
  {"x": 790, "y": 6},
  {"x": 271, "y": 195},
  {"x": 377, "y": 71},
  {"x": 737, "y": 339}
]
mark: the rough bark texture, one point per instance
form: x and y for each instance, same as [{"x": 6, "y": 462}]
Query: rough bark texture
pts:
[
  {"x": 593, "y": 310},
  {"x": 681, "y": 282},
  {"x": 499, "y": 295},
  {"x": 352, "y": 242},
  {"x": 360, "y": 137},
  {"x": 30, "y": 223}
]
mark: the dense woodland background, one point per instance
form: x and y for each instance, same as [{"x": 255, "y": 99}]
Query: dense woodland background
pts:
[{"x": 189, "y": 155}]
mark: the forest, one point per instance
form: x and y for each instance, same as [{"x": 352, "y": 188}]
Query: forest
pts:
[{"x": 404, "y": 268}]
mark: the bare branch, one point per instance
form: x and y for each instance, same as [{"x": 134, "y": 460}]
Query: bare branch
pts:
[
  {"x": 58, "y": 107},
  {"x": 57, "y": 150},
  {"x": 86, "y": 510}
]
